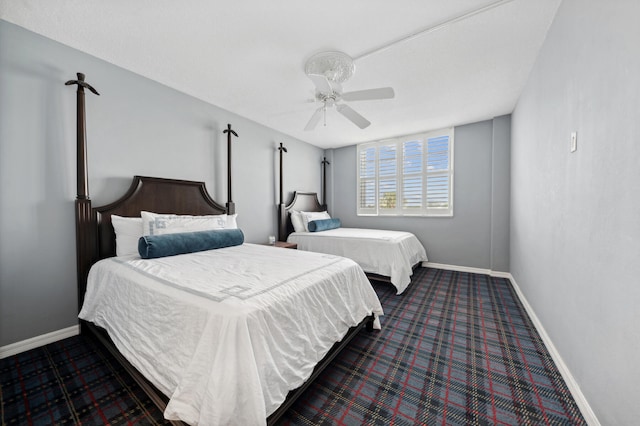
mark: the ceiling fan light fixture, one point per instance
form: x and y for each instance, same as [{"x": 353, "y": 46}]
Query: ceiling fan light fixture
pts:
[{"x": 335, "y": 66}]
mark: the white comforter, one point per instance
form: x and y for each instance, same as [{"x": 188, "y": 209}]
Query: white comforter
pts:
[
  {"x": 227, "y": 333},
  {"x": 388, "y": 253}
]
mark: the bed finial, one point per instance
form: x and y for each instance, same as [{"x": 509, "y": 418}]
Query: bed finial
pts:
[
  {"x": 324, "y": 182},
  {"x": 82, "y": 178},
  {"x": 230, "y": 206},
  {"x": 82, "y": 84}
]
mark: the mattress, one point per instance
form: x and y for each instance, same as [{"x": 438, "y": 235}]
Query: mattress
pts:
[
  {"x": 226, "y": 333},
  {"x": 389, "y": 253}
]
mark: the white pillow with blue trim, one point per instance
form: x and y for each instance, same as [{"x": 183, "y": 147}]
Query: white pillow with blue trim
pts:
[{"x": 160, "y": 224}]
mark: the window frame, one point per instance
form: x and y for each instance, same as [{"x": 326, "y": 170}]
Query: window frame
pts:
[{"x": 372, "y": 181}]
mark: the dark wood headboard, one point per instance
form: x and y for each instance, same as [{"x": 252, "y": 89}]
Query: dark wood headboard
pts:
[
  {"x": 302, "y": 201},
  {"x": 156, "y": 195},
  {"x": 152, "y": 194}
]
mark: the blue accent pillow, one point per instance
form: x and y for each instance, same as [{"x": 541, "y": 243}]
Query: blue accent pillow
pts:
[
  {"x": 324, "y": 224},
  {"x": 154, "y": 246}
]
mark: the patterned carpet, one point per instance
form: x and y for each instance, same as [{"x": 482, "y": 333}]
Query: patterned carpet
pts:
[
  {"x": 456, "y": 349},
  {"x": 71, "y": 382}
]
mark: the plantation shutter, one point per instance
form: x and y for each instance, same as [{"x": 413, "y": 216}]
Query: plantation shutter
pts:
[
  {"x": 438, "y": 176},
  {"x": 367, "y": 172},
  {"x": 410, "y": 176},
  {"x": 387, "y": 179},
  {"x": 412, "y": 180}
]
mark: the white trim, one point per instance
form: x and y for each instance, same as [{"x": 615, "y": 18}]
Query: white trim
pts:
[
  {"x": 36, "y": 342},
  {"x": 500, "y": 274},
  {"x": 457, "y": 268},
  {"x": 574, "y": 388},
  {"x": 470, "y": 269}
]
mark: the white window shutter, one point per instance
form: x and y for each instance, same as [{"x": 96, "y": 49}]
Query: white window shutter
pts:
[
  {"x": 407, "y": 176},
  {"x": 412, "y": 177},
  {"x": 387, "y": 179},
  {"x": 367, "y": 180},
  {"x": 439, "y": 175}
]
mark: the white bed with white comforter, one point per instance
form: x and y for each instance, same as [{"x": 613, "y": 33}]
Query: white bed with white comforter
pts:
[
  {"x": 227, "y": 333},
  {"x": 383, "y": 252}
]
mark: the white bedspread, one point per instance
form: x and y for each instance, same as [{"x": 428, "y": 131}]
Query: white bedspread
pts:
[
  {"x": 388, "y": 253},
  {"x": 227, "y": 333}
]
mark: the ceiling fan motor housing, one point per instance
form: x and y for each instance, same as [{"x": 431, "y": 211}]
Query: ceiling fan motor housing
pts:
[{"x": 337, "y": 67}]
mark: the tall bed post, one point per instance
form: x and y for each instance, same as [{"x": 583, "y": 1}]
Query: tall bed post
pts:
[
  {"x": 282, "y": 218},
  {"x": 324, "y": 182},
  {"x": 231, "y": 207},
  {"x": 85, "y": 220}
]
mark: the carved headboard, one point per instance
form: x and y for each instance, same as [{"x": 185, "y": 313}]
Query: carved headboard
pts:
[{"x": 302, "y": 201}]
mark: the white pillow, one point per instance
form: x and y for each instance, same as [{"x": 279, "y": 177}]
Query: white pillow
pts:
[
  {"x": 309, "y": 216},
  {"x": 296, "y": 221},
  {"x": 159, "y": 224},
  {"x": 128, "y": 230},
  {"x": 231, "y": 221}
]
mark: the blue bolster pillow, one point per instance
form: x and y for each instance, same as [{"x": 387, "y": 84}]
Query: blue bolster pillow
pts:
[
  {"x": 154, "y": 246},
  {"x": 324, "y": 225}
]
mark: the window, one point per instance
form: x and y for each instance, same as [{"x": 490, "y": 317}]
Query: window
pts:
[{"x": 410, "y": 176}]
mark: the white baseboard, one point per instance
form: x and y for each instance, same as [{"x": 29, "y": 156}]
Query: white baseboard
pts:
[
  {"x": 498, "y": 274},
  {"x": 35, "y": 342},
  {"x": 573, "y": 386},
  {"x": 457, "y": 268}
]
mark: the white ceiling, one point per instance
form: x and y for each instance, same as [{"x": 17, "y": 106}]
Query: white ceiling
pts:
[{"x": 248, "y": 56}]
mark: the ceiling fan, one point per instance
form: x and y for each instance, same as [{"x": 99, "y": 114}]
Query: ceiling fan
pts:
[{"x": 327, "y": 71}]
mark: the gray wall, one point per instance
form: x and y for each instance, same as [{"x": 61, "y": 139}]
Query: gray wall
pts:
[
  {"x": 575, "y": 218},
  {"x": 478, "y": 233},
  {"x": 136, "y": 126},
  {"x": 500, "y": 193}
]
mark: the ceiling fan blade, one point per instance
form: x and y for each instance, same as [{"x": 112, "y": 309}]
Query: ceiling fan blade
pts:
[
  {"x": 321, "y": 82},
  {"x": 315, "y": 118},
  {"x": 352, "y": 115},
  {"x": 369, "y": 94}
]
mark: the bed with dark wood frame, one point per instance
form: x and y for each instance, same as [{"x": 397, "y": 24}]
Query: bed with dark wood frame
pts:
[
  {"x": 95, "y": 240},
  {"x": 308, "y": 202}
]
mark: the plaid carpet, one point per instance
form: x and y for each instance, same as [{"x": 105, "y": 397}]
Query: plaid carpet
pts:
[
  {"x": 73, "y": 381},
  {"x": 455, "y": 349}
]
